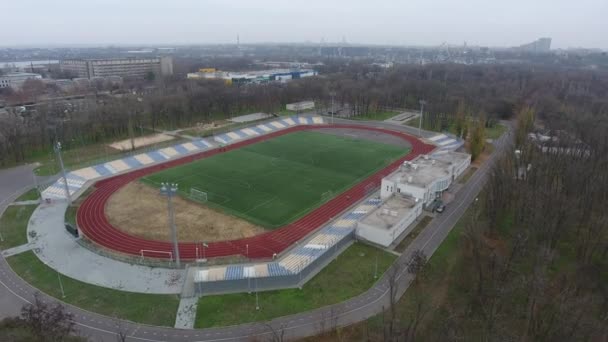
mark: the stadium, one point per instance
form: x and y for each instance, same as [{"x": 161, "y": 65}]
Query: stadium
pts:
[{"x": 290, "y": 177}]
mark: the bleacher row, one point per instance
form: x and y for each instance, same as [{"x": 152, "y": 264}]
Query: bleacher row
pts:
[
  {"x": 298, "y": 258},
  {"x": 260, "y": 129},
  {"x": 446, "y": 142},
  {"x": 76, "y": 179}
]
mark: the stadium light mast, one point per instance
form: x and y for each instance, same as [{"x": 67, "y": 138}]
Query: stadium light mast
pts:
[
  {"x": 332, "y": 94},
  {"x": 422, "y": 103},
  {"x": 65, "y": 179},
  {"x": 169, "y": 190}
]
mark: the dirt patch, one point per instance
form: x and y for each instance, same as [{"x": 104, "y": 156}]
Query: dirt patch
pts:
[
  {"x": 124, "y": 145},
  {"x": 141, "y": 211},
  {"x": 363, "y": 134}
]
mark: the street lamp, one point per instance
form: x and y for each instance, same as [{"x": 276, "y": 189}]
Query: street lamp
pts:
[
  {"x": 169, "y": 190},
  {"x": 65, "y": 179},
  {"x": 332, "y": 95},
  {"x": 422, "y": 103}
]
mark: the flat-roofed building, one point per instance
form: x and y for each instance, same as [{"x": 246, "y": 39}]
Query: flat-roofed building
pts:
[
  {"x": 426, "y": 177},
  {"x": 136, "y": 67},
  {"x": 15, "y": 80},
  {"x": 391, "y": 219}
]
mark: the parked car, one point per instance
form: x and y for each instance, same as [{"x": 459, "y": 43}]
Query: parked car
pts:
[{"x": 440, "y": 207}]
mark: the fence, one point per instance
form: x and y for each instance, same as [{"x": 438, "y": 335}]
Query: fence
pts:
[{"x": 192, "y": 288}]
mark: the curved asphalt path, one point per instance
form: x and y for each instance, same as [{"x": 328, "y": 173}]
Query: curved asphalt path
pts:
[{"x": 371, "y": 302}]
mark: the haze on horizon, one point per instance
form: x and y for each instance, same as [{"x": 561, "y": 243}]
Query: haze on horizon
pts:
[{"x": 415, "y": 22}]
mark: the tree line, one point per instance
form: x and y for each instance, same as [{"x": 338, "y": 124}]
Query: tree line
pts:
[{"x": 482, "y": 93}]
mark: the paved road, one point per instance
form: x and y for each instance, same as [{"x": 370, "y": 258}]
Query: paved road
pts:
[
  {"x": 101, "y": 328},
  {"x": 13, "y": 182}
]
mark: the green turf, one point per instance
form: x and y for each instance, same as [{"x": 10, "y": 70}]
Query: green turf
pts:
[
  {"x": 349, "y": 275},
  {"x": 137, "y": 307},
  {"x": 13, "y": 225},
  {"x": 272, "y": 183}
]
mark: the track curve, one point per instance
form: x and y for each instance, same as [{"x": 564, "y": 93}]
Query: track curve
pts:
[{"x": 94, "y": 225}]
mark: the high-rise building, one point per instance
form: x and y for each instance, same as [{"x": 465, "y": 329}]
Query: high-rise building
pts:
[
  {"x": 136, "y": 67},
  {"x": 539, "y": 45}
]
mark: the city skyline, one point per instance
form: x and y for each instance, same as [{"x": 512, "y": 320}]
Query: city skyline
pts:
[{"x": 416, "y": 23}]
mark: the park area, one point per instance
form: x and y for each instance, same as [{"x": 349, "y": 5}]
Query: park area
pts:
[{"x": 274, "y": 182}]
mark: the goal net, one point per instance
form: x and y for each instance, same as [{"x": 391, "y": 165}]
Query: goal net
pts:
[{"x": 198, "y": 195}]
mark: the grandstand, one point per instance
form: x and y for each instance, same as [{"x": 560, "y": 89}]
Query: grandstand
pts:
[{"x": 221, "y": 279}]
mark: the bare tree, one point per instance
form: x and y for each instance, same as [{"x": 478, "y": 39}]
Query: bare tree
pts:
[{"x": 46, "y": 322}]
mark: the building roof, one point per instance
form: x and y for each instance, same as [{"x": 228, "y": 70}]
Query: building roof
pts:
[
  {"x": 424, "y": 170},
  {"x": 390, "y": 212},
  {"x": 21, "y": 74}
]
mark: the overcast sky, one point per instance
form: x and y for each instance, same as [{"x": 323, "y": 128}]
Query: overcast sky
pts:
[{"x": 580, "y": 23}]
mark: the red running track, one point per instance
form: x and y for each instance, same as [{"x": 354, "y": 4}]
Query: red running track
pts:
[{"x": 94, "y": 225}]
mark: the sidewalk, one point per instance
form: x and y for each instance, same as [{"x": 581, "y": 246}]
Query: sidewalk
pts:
[{"x": 59, "y": 250}]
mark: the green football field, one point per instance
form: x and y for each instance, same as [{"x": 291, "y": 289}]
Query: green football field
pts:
[{"x": 274, "y": 182}]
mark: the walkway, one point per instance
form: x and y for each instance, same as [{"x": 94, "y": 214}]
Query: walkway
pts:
[
  {"x": 186, "y": 313},
  {"x": 59, "y": 250}
]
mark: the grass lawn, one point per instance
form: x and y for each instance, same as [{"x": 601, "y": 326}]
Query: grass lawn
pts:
[
  {"x": 349, "y": 275},
  {"x": 13, "y": 225},
  {"x": 495, "y": 131},
  {"x": 413, "y": 122},
  {"x": 414, "y": 233},
  {"x": 29, "y": 196},
  {"x": 468, "y": 174},
  {"x": 375, "y": 116},
  {"x": 137, "y": 307},
  {"x": 276, "y": 181}
]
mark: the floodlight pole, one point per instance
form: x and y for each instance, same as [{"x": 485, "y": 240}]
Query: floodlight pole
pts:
[
  {"x": 422, "y": 103},
  {"x": 35, "y": 176},
  {"x": 65, "y": 179},
  {"x": 169, "y": 190},
  {"x": 376, "y": 268},
  {"x": 61, "y": 285},
  {"x": 257, "y": 301},
  {"x": 332, "y": 95}
]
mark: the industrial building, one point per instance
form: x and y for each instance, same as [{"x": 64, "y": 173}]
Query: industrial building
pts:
[
  {"x": 260, "y": 76},
  {"x": 137, "y": 67},
  {"x": 406, "y": 191},
  {"x": 16, "y": 80}
]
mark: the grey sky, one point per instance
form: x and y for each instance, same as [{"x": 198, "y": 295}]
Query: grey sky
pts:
[{"x": 412, "y": 22}]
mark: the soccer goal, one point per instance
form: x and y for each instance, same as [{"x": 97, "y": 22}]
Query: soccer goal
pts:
[{"x": 198, "y": 195}]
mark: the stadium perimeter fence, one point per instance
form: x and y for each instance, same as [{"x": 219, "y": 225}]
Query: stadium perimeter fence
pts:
[{"x": 267, "y": 283}]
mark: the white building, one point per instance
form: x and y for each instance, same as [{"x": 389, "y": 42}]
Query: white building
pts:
[
  {"x": 257, "y": 76},
  {"x": 16, "y": 80},
  {"x": 406, "y": 191},
  {"x": 425, "y": 178},
  {"x": 391, "y": 219},
  {"x": 138, "y": 67}
]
